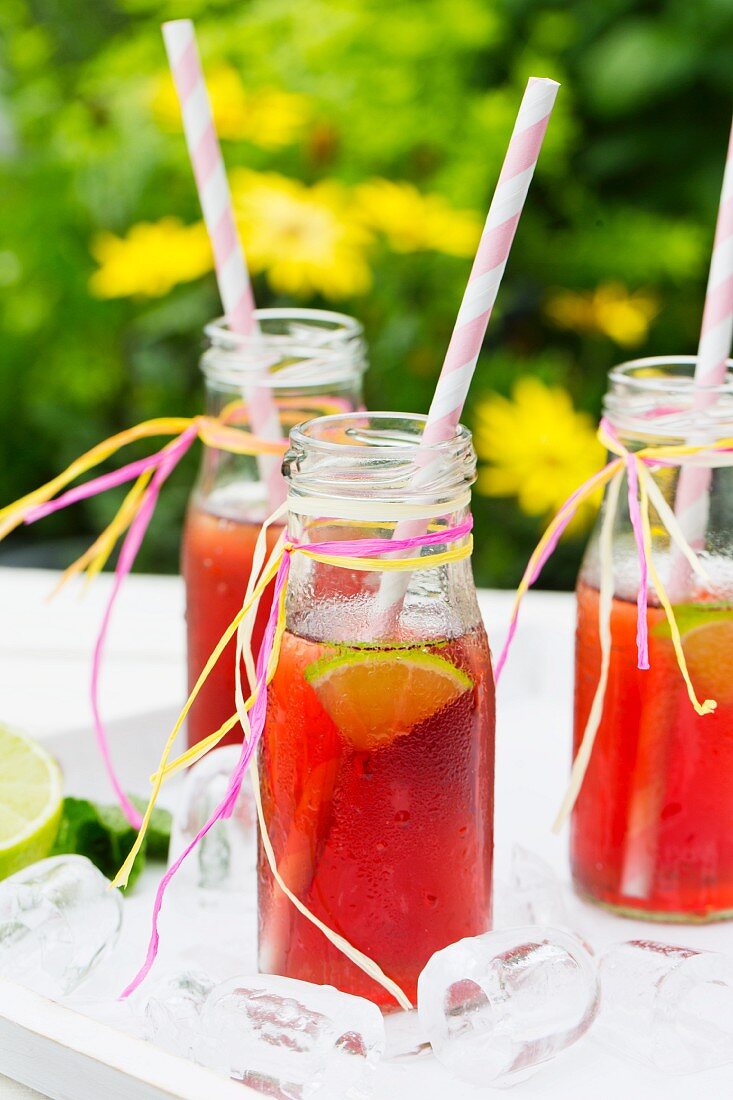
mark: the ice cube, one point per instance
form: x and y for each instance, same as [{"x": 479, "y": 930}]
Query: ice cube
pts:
[
  {"x": 224, "y": 860},
  {"x": 404, "y": 1035},
  {"x": 667, "y": 1005},
  {"x": 291, "y": 1039},
  {"x": 532, "y": 895},
  {"x": 173, "y": 1013},
  {"x": 496, "y": 1006},
  {"x": 58, "y": 919}
]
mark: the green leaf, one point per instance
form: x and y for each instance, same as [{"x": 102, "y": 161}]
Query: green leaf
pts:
[
  {"x": 158, "y": 836},
  {"x": 104, "y": 835},
  {"x": 636, "y": 62}
]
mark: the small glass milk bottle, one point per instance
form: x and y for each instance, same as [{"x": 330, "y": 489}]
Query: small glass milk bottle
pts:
[
  {"x": 376, "y": 763},
  {"x": 313, "y": 362},
  {"x": 651, "y": 830}
]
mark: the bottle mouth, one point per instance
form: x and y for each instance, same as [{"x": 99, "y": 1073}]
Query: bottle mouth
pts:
[
  {"x": 290, "y": 349},
  {"x": 656, "y": 398},
  {"x": 378, "y": 457}
]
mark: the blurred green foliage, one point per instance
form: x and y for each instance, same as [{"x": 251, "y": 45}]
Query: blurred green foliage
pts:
[{"x": 418, "y": 90}]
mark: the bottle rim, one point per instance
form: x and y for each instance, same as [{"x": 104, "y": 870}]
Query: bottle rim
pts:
[
  {"x": 656, "y": 398},
  {"x": 381, "y": 459},
  {"x": 294, "y": 348},
  {"x": 681, "y": 382}
]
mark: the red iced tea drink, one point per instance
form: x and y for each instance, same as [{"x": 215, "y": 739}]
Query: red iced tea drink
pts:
[
  {"x": 216, "y": 560},
  {"x": 651, "y": 828},
  {"x": 376, "y": 770}
]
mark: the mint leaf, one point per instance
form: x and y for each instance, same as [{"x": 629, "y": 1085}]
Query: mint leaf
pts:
[
  {"x": 104, "y": 835},
  {"x": 158, "y": 837}
]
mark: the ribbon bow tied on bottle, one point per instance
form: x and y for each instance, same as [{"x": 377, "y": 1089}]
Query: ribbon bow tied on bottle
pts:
[{"x": 642, "y": 493}]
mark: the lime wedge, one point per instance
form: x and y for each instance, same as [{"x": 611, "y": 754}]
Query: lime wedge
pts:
[
  {"x": 708, "y": 651},
  {"x": 375, "y": 697},
  {"x": 691, "y": 615},
  {"x": 30, "y": 802}
]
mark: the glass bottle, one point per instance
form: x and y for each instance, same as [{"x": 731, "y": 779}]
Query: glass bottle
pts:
[
  {"x": 312, "y": 361},
  {"x": 651, "y": 831},
  {"x": 377, "y": 759}
]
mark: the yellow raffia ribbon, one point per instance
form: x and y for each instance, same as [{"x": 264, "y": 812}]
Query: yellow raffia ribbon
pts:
[
  {"x": 122, "y": 875},
  {"x": 261, "y": 576},
  {"x": 605, "y": 597},
  {"x": 14, "y": 514},
  {"x": 244, "y": 652},
  {"x": 192, "y": 755},
  {"x": 96, "y": 557},
  {"x": 228, "y": 431},
  {"x": 396, "y": 565},
  {"x": 215, "y": 432}
]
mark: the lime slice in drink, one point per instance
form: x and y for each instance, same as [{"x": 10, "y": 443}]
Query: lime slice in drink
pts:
[
  {"x": 30, "y": 802},
  {"x": 374, "y": 697},
  {"x": 708, "y": 651}
]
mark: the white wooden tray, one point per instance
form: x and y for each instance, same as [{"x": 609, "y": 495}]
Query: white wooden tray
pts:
[
  {"x": 67, "y": 1056},
  {"x": 43, "y": 676}
]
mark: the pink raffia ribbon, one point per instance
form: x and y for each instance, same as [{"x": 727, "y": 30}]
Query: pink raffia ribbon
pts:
[
  {"x": 168, "y": 459},
  {"x": 353, "y": 554},
  {"x": 546, "y": 548},
  {"x": 228, "y": 432},
  {"x": 150, "y": 474},
  {"x": 648, "y": 457},
  {"x": 163, "y": 462},
  {"x": 642, "y": 599}
]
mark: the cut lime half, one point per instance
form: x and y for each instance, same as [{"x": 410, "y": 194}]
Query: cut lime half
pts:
[
  {"x": 30, "y": 801},
  {"x": 375, "y": 697}
]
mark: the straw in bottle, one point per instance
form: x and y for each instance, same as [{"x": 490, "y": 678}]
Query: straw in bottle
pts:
[
  {"x": 479, "y": 298},
  {"x": 692, "y": 498},
  {"x": 216, "y": 204},
  {"x": 691, "y": 508}
]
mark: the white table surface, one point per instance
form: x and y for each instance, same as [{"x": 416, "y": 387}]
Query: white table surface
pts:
[{"x": 44, "y": 668}]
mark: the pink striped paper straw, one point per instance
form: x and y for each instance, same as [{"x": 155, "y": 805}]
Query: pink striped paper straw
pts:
[
  {"x": 480, "y": 293},
  {"x": 717, "y": 319},
  {"x": 491, "y": 259},
  {"x": 692, "y": 497},
  {"x": 692, "y": 502},
  {"x": 216, "y": 203}
]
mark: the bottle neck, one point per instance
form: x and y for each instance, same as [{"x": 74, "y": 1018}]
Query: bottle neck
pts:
[
  {"x": 656, "y": 402},
  {"x": 306, "y": 351},
  {"x": 294, "y": 403},
  {"x": 339, "y": 600},
  {"x": 368, "y": 476},
  {"x": 311, "y": 368}
]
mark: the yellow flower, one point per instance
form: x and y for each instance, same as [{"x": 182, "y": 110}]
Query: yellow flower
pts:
[
  {"x": 303, "y": 237},
  {"x": 609, "y": 309},
  {"x": 151, "y": 259},
  {"x": 267, "y": 117},
  {"x": 539, "y": 447},
  {"x": 413, "y": 222}
]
